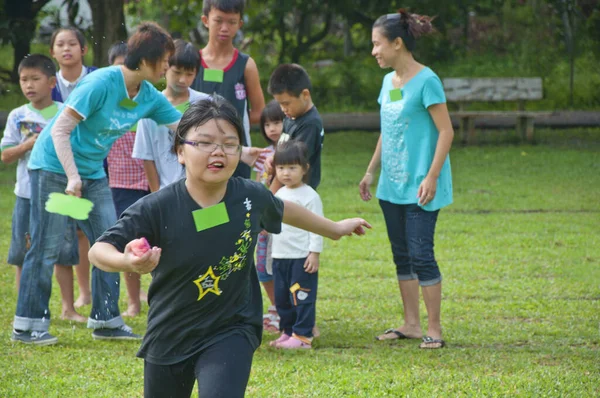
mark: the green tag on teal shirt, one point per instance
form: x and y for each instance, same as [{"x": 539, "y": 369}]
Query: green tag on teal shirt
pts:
[
  {"x": 213, "y": 75},
  {"x": 128, "y": 103},
  {"x": 395, "y": 95},
  {"x": 210, "y": 217}
]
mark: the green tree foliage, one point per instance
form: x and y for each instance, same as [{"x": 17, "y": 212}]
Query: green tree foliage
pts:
[{"x": 18, "y": 21}]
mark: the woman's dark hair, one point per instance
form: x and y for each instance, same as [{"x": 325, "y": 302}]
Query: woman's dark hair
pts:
[
  {"x": 201, "y": 112},
  {"x": 118, "y": 49},
  {"x": 185, "y": 56},
  {"x": 270, "y": 113},
  {"x": 149, "y": 43},
  {"x": 80, "y": 37},
  {"x": 404, "y": 25},
  {"x": 292, "y": 152}
]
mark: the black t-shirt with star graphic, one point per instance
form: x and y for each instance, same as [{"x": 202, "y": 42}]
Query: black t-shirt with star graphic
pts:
[{"x": 205, "y": 287}]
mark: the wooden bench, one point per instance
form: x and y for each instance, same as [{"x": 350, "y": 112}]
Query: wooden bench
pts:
[{"x": 519, "y": 90}]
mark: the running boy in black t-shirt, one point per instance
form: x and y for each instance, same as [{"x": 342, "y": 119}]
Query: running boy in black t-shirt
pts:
[
  {"x": 290, "y": 86},
  {"x": 197, "y": 238}
]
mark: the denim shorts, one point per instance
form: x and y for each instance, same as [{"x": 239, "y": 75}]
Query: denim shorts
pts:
[
  {"x": 21, "y": 237},
  {"x": 411, "y": 230}
]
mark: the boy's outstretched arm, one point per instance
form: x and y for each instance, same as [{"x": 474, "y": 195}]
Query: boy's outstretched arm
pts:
[{"x": 299, "y": 217}]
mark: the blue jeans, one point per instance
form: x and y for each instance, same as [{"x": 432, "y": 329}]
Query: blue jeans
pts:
[
  {"x": 21, "y": 237},
  {"x": 47, "y": 234},
  {"x": 410, "y": 230}
]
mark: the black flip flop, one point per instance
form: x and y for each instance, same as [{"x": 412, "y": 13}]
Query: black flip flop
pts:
[
  {"x": 431, "y": 340},
  {"x": 398, "y": 333}
]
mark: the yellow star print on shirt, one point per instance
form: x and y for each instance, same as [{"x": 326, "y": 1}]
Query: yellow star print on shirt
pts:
[{"x": 208, "y": 283}]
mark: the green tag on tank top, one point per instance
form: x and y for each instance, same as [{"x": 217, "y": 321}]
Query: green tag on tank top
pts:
[{"x": 213, "y": 75}]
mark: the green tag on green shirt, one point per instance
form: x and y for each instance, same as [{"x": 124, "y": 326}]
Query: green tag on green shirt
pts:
[
  {"x": 48, "y": 112},
  {"x": 213, "y": 75},
  {"x": 395, "y": 95},
  {"x": 210, "y": 217},
  {"x": 128, "y": 103},
  {"x": 183, "y": 106}
]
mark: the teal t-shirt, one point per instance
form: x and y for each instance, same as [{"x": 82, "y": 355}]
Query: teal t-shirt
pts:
[
  {"x": 101, "y": 99},
  {"x": 409, "y": 138}
]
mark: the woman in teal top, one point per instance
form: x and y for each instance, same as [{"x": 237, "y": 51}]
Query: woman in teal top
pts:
[{"x": 415, "y": 179}]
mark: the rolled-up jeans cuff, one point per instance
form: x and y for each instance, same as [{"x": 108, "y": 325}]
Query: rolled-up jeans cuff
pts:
[
  {"x": 431, "y": 282},
  {"x": 110, "y": 324},
  {"x": 30, "y": 324},
  {"x": 407, "y": 277}
]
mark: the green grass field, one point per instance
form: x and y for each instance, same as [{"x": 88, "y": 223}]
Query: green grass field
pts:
[{"x": 520, "y": 255}]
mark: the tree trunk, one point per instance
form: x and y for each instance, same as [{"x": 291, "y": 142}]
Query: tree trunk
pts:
[
  {"x": 21, "y": 16},
  {"x": 109, "y": 27}
]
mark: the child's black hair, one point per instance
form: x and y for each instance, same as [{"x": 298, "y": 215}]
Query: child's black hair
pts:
[
  {"x": 292, "y": 152},
  {"x": 80, "y": 37},
  {"x": 185, "y": 56},
  {"x": 40, "y": 62},
  {"x": 270, "y": 113},
  {"x": 289, "y": 78},
  {"x": 118, "y": 49},
  {"x": 201, "y": 112},
  {"x": 228, "y": 6},
  {"x": 149, "y": 43}
]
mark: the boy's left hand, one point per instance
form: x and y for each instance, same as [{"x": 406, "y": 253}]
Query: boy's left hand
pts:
[
  {"x": 351, "y": 226},
  {"x": 311, "y": 265},
  {"x": 251, "y": 154}
]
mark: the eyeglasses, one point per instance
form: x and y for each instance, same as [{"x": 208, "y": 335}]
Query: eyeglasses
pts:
[{"x": 210, "y": 147}]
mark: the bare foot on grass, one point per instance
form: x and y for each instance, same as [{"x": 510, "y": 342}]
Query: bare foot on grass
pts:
[
  {"x": 73, "y": 316},
  {"x": 132, "y": 311},
  {"x": 81, "y": 301}
]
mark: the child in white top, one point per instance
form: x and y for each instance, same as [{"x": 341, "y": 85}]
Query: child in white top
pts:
[
  {"x": 295, "y": 252},
  {"x": 271, "y": 127}
]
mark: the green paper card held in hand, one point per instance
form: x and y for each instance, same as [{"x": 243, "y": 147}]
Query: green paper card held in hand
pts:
[
  {"x": 68, "y": 205},
  {"x": 210, "y": 217},
  {"x": 128, "y": 103},
  {"x": 213, "y": 75},
  {"x": 395, "y": 95}
]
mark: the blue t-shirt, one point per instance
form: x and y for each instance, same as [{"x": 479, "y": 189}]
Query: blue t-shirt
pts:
[
  {"x": 98, "y": 99},
  {"x": 409, "y": 138}
]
